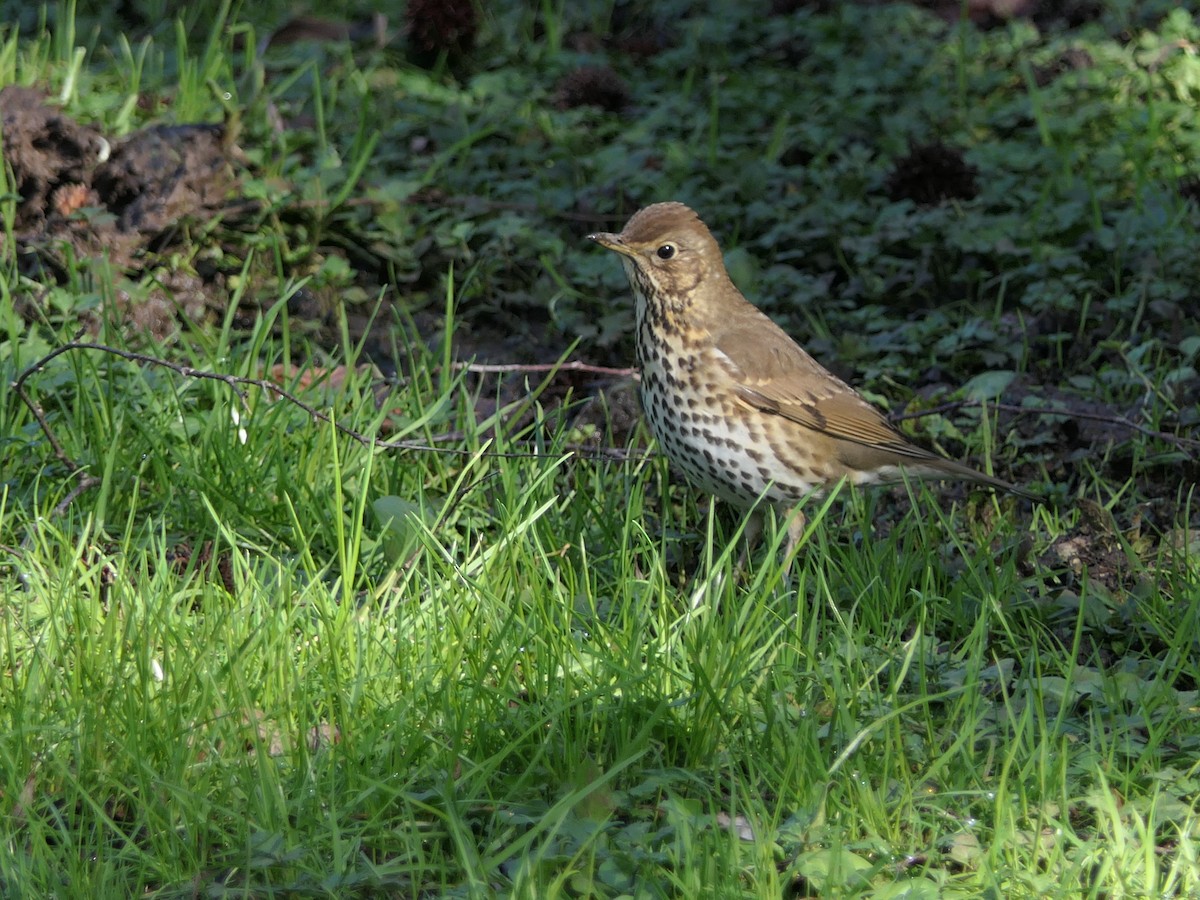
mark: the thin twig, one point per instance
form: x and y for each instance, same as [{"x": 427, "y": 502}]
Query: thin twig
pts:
[
  {"x": 238, "y": 384},
  {"x": 86, "y": 483},
  {"x": 1122, "y": 421},
  {"x": 534, "y": 368}
]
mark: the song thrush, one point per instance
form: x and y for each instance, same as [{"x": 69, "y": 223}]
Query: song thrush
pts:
[{"x": 736, "y": 403}]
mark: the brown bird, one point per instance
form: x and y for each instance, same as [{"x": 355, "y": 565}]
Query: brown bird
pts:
[{"x": 734, "y": 402}]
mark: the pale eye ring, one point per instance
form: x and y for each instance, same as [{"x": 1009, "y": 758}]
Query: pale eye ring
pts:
[{"x": 666, "y": 251}]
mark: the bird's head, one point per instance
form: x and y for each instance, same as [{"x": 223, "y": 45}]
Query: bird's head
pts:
[{"x": 668, "y": 255}]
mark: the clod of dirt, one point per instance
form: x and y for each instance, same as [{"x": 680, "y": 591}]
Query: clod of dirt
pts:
[
  {"x": 931, "y": 174},
  {"x": 1052, "y": 15},
  {"x": 1099, "y": 551},
  {"x": 314, "y": 28},
  {"x": 596, "y": 86},
  {"x": 1074, "y": 59},
  {"x": 47, "y": 152},
  {"x": 440, "y": 26},
  {"x": 209, "y": 566},
  {"x": 83, "y": 198},
  {"x": 1189, "y": 189},
  {"x": 160, "y": 175},
  {"x": 787, "y": 7},
  {"x": 641, "y": 30}
]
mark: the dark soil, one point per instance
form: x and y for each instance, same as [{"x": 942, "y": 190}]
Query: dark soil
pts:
[
  {"x": 133, "y": 201},
  {"x": 87, "y": 196}
]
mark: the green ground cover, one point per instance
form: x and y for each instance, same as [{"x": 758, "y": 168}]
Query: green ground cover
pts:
[{"x": 245, "y": 653}]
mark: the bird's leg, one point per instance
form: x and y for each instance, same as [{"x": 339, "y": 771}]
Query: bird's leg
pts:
[
  {"x": 795, "y": 528},
  {"x": 750, "y": 535},
  {"x": 796, "y": 523}
]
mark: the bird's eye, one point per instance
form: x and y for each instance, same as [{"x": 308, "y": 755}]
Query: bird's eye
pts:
[{"x": 666, "y": 251}]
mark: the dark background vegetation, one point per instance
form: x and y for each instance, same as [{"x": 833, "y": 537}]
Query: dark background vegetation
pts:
[
  {"x": 989, "y": 202},
  {"x": 984, "y": 215}
]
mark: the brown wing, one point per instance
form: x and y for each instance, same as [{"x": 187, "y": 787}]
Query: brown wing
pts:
[{"x": 773, "y": 374}]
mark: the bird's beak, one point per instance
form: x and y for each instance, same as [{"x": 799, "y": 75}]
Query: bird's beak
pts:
[{"x": 612, "y": 242}]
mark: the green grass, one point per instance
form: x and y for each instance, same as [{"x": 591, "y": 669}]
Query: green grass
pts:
[{"x": 259, "y": 657}]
